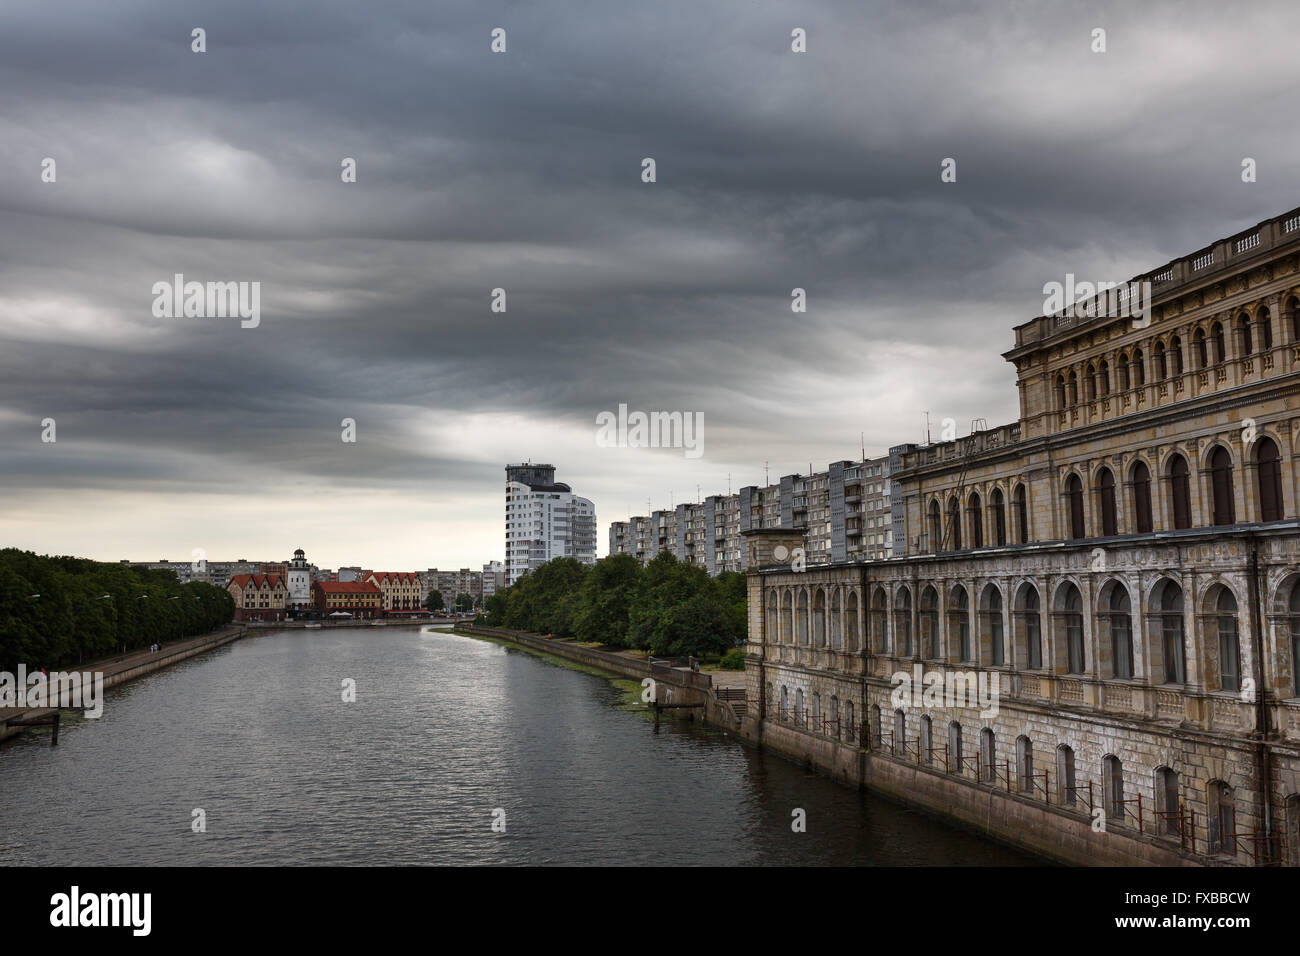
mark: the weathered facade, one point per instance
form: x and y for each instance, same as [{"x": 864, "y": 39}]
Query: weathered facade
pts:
[{"x": 1122, "y": 564}]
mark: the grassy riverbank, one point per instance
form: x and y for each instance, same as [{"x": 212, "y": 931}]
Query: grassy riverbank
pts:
[{"x": 630, "y": 689}]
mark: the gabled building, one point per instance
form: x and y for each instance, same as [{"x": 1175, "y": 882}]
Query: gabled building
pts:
[
  {"x": 258, "y": 597},
  {"x": 400, "y": 590},
  {"x": 358, "y": 598}
]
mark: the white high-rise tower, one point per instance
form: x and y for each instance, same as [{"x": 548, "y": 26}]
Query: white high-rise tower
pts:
[{"x": 544, "y": 520}]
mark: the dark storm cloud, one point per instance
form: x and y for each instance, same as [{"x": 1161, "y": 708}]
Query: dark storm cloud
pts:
[{"x": 521, "y": 171}]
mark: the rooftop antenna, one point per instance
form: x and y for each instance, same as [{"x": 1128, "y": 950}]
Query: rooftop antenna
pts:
[
  {"x": 766, "y": 481},
  {"x": 862, "y": 437},
  {"x": 927, "y": 428},
  {"x": 697, "y": 494},
  {"x": 728, "y": 484}
]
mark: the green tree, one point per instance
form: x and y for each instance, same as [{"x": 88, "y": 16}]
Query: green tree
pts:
[
  {"x": 434, "y": 601},
  {"x": 605, "y": 606},
  {"x": 56, "y": 611},
  {"x": 464, "y": 602},
  {"x": 668, "y": 607}
]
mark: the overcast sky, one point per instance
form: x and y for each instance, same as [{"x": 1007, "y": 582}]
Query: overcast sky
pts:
[{"x": 522, "y": 170}]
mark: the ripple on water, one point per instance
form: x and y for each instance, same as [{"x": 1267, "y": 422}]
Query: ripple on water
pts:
[{"x": 444, "y": 729}]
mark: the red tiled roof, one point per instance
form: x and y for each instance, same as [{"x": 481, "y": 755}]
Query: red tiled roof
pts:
[
  {"x": 347, "y": 587},
  {"x": 399, "y": 577},
  {"x": 270, "y": 580}
]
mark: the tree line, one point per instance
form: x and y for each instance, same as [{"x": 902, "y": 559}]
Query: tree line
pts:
[
  {"x": 668, "y": 607},
  {"x": 58, "y": 611},
  {"x": 436, "y": 602}
]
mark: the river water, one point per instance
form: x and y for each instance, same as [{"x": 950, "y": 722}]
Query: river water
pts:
[{"x": 444, "y": 731}]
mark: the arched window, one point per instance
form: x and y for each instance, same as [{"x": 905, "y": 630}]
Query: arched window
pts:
[
  {"x": 835, "y": 621},
  {"x": 874, "y": 729},
  {"x": 988, "y": 756},
  {"x": 833, "y": 717},
  {"x": 816, "y": 711},
  {"x": 1139, "y": 368},
  {"x": 1121, "y": 632},
  {"x": 1173, "y": 639},
  {"x": 1061, "y": 399},
  {"x": 929, "y": 620},
  {"x": 925, "y": 744},
  {"x": 1074, "y": 499},
  {"x": 787, "y": 618},
  {"x": 1090, "y": 383},
  {"x": 819, "y": 618},
  {"x": 976, "y": 520},
  {"x": 1268, "y": 464},
  {"x": 1167, "y": 795},
  {"x": 1294, "y": 618},
  {"x": 1220, "y": 343},
  {"x": 1200, "y": 351},
  {"x": 1112, "y": 776},
  {"x": 954, "y": 747},
  {"x": 879, "y": 621},
  {"x": 1243, "y": 330},
  {"x": 1293, "y": 306},
  {"x": 1162, "y": 364},
  {"x": 785, "y": 702},
  {"x": 851, "y": 631},
  {"x": 936, "y": 532},
  {"x": 772, "y": 620},
  {"x": 1072, "y": 387},
  {"x": 1221, "y": 482},
  {"x": 903, "y": 622},
  {"x": 1175, "y": 356},
  {"x": 1265, "y": 329},
  {"x": 959, "y": 622},
  {"x": 1142, "y": 497},
  {"x": 1065, "y": 775},
  {"x": 851, "y": 729},
  {"x": 1025, "y": 763},
  {"x": 1032, "y": 625},
  {"x": 1222, "y": 818},
  {"x": 991, "y": 613},
  {"x": 999, "y": 517},
  {"x": 954, "y": 522},
  {"x": 1229, "y": 646},
  {"x": 900, "y": 733},
  {"x": 1106, "y": 502},
  {"x": 1180, "y": 491},
  {"x": 798, "y": 706},
  {"x": 1022, "y": 513},
  {"x": 1103, "y": 377},
  {"x": 1071, "y": 613},
  {"x": 1121, "y": 368},
  {"x": 801, "y": 618}
]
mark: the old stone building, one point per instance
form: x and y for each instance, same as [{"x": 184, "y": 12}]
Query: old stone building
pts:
[{"x": 1115, "y": 578}]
